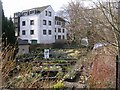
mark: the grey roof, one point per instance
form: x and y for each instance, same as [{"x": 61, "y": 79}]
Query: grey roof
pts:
[
  {"x": 22, "y": 42},
  {"x": 39, "y": 8},
  {"x": 59, "y": 18},
  {"x": 42, "y": 8}
]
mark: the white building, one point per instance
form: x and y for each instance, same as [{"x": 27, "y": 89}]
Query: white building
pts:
[
  {"x": 37, "y": 25},
  {"x": 60, "y": 30}
]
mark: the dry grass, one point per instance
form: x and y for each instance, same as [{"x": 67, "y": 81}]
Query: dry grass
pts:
[{"x": 19, "y": 75}]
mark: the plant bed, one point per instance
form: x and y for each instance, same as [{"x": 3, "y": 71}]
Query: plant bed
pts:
[
  {"x": 49, "y": 73},
  {"x": 73, "y": 77}
]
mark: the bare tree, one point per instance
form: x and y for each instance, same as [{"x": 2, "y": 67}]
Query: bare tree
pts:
[{"x": 98, "y": 24}]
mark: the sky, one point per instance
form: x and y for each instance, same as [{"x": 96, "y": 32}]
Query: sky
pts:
[{"x": 12, "y": 6}]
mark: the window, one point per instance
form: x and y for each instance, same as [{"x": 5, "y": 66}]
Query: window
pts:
[
  {"x": 58, "y": 23},
  {"x": 25, "y": 40},
  {"x": 44, "y": 22},
  {"x": 59, "y": 36},
  {"x": 23, "y": 23},
  {"x": 31, "y": 32},
  {"x": 31, "y": 22},
  {"x": 25, "y": 13},
  {"x": 59, "y": 30},
  {"x": 63, "y": 37},
  {"x": 63, "y": 30},
  {"x": 55, "y": 37},
  {"x": 49, "y": 22},
  {"x": 44, "y": 32},
  {"x": 23, "y": 32},
  {"x": 45, "y": 13},
  {"x": 33, "y": 41},
  {"x": 37, "y": 11},
  {"x": 32, "y": 12},
  {"x": 50, "y": 14},
  {"x": 16, "y": 24},
  {"x": 49, "y": 32},
  {"x": 55, "y": 22},
  {"x": 55, "y": 29}
]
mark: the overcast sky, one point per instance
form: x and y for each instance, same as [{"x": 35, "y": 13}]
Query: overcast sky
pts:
[{"x": 12, "y": 6}]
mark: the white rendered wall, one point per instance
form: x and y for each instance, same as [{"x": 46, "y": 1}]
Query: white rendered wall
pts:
[
  {"x": 47, "y": 39},
  {"x": 29, "y": 27},
  {"x": 60, "y": 33}
]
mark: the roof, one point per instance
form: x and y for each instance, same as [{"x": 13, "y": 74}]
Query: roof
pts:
[
  {"x": 59, "y": 18},
  {"x": 38, "y": 8},
  {"x": 22, "y": 42},
  {"x": 42, "y": 8}
]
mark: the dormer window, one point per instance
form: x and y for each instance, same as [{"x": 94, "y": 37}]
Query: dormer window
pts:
[
  {"x": 32, "y": 12},
  {"x": 25, "y": 13},
  {"x": 37, "y": 11},
  {"x": 17, "y": 14}
]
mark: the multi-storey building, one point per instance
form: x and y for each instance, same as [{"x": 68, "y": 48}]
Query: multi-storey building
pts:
[
  {"x": 39, "y": 25},
  {"x": 60, "y": 30}
]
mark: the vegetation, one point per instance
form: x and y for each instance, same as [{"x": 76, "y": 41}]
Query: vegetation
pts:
[
  {"x": 84, "y": 22},
  {"x": 58, "y": 86},
  {"x": 8, "y": 31}
]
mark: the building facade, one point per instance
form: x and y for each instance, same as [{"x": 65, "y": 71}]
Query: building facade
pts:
[
  {"x": 60, "y": 30},
  {"x": 39, "y": 25}
]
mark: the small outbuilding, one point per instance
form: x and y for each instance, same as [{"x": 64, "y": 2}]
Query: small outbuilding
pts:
[{"x": 23, "y": 47}]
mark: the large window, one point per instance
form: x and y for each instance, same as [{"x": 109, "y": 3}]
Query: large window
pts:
[
  {"x": 23, "y": 23},
  {"x": 44, "y": 22},
  {"x": 31, "y": 22},
  {"x": 44, "y": 32},
  {"x": 31, "y": 32},
  {"x": 59, "y": 36},
  {"x": 23, "y": 32},
  {"x": 59, "y": 30},
  {"x": 49, "y": 22},
  {"x": 49, "y": 32}
]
